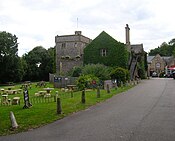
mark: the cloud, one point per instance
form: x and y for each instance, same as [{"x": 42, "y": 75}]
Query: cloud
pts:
[{"x": 37, "y": 22}]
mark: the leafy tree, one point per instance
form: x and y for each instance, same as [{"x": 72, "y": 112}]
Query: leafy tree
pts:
[
  {"x": 165, "y": 49},
  {"x": 11, "y": 67},
  {"x": 172, "y": 42},
  {"x": 39, "y": 64},
  {"x": 52, "y": 54}
]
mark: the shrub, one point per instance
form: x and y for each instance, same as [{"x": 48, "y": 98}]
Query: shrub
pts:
[
  {"x": 84, "y": 81},
  {"x": 75, "y": 71},
  {"x": 120, "y": 74},
  {"x": 98, "y": 70}
]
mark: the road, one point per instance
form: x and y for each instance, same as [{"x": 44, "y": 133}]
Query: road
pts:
[{"x": 144, "y": 113}]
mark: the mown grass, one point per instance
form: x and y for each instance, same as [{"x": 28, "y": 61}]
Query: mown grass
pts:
[{"x": 43, "y": 113}]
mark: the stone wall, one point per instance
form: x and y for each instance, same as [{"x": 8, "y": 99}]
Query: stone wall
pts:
[
  {"x": 157, "y": 65},
  {"x": 69, "y": 51},
  {"x": 67, "y": 65}
]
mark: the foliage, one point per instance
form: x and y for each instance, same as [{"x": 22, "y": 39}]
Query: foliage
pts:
[
  {"x": 127, "y": 74},
  {"x": 85, "y": 80},
  {"x": 142, "y": 67},
  {"x": 39, "y": 64},
  {"x": 120, "y": 74},
  {"x": 11, "y": 67},
  {"x": 52, "y": 54},
  {"x": 165, "y": 49},
  {"x": 98, "y": 70},
  {"x": 75, "y": 72},
  {"x": 116, "y": 52}
]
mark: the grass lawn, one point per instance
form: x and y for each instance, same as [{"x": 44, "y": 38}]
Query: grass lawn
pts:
[{"x": 44, "y": 111}]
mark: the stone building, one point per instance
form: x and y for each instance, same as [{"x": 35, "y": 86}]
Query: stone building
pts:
[
  {"x": 104, "y": 49},
  {"x": 137, "y": 56},
  {"x": 159, "y": 63},
  {"x": 69, "y": 51}
]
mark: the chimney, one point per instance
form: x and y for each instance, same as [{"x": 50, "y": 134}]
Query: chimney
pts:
[
  {"x": 77, "y": 32},
  {"x": 127, "y": 30}
]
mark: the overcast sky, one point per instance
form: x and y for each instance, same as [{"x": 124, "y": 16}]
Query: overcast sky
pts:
[{"x": 37, "y": 22}]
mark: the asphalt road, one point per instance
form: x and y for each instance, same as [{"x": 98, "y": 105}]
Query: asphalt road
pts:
[{"x": 144, "y": 113}]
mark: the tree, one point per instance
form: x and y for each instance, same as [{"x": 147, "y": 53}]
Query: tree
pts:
[
  {"x": 11, "y": 67},
  {"x": 165, "y": 49},
  {"x": 39, "y": 64},
  {"x": 52, "y": 54}
]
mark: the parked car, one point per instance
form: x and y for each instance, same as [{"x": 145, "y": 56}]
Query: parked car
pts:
[{"x": 173, "y": 74}]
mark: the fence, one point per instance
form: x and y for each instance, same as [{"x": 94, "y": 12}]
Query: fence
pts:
[{"x": 33, "y": 100}]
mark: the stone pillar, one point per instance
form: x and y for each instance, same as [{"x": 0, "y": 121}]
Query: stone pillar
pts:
[
  {"x": 127, "y": 34},
  {"x": 13, "y": 120}
]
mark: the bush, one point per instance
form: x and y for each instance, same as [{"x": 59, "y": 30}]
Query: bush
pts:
[
  {"x": 98, "y": 70},
  {"x": 75, "y": 71},
  {"x": 122, "y": 75},
  {"x": 84, "y": 81}
]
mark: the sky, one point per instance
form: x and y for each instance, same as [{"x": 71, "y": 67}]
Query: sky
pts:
[{"x": 37, "y": 22}]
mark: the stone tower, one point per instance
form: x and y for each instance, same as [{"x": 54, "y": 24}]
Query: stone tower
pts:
[{"x": 69, "y": 51}]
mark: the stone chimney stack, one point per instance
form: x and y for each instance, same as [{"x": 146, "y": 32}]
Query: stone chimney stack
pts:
[
  {"x": 127, "y": 30},
  {"x": 77, "y": 32}
]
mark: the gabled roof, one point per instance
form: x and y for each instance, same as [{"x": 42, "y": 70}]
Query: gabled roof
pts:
[
  {"x": 103, "y": 36},
  {"x": 150, "y": 58},
  {"x": 165, "y": 58},
  {"x": 103, "y": 40}
]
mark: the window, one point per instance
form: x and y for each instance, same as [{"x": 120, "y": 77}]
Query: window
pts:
[
  {"x": 63, "y": 45},
  {"x": 157, "y": 65},
  {"x": 75, "y": 45},
  {"x": 103, "y": 52}
]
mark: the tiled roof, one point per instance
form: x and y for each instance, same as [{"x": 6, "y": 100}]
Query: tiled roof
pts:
[{"x": 150, "y": 58}]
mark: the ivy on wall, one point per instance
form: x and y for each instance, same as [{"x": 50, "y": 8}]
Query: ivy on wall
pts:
[
  {"x": 116, "y": 52},
  {"x": 142, "y": 66}
]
